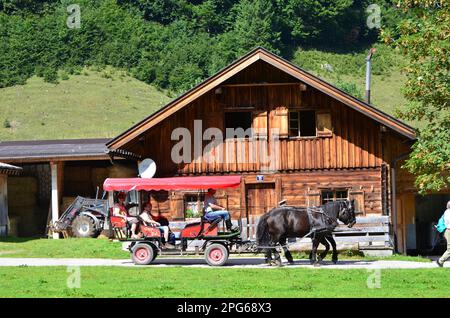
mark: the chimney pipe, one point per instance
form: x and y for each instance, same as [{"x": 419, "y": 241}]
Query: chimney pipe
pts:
[{"x": 368, "y": 73}]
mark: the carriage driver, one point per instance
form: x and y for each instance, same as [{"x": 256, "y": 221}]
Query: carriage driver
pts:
[
  {"x": 214, "y": 211},
  {"x": 121, "y": 211}
]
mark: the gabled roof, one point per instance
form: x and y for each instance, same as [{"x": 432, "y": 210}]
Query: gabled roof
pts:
[
  {"x": 47, "y": 150},
  {"x": 261, "y": 54}
]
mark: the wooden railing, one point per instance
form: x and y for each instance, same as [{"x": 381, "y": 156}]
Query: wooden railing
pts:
[{"x": 369, "y": 233}]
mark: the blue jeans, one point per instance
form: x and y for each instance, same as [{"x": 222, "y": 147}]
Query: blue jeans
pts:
[
  {"x": 211, "y": 216},
  {"x": 161, "y": 229}
]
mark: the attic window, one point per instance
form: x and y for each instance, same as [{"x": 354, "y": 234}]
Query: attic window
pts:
[
  {"x": 302, "y": 123},
  {"x": 238, "y": 121}
]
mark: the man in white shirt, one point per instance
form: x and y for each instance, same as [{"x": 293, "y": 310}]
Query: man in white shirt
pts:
[{"x": 446, "y": 255}]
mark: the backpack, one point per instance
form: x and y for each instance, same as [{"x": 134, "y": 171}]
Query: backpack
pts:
[{"x": 441, "y": 227}]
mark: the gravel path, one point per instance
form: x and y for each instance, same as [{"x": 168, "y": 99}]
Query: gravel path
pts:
[{"x": 234, "y": 262}]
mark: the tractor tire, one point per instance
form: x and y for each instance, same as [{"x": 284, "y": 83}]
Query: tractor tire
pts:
[
  {"x": 216, "y": 254},
  {"x": 84, "y": 226},
  {"x": 142, "y": 254}
]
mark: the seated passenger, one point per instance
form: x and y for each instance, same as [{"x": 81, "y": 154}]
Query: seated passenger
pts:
[
  {"x": 120, "y": 210},
  {"x": 147, "y": 218},
  {"x": 214, "y": 211},
  {"x": 156, "y": 216}
]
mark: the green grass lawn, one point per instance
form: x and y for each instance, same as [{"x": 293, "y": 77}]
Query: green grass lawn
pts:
[
  {"x": 64, "y": 248},
  {"x": 220, "y": 282},
  {"x": 104, "y": 248},
  {"x": 93, "y": 104}
]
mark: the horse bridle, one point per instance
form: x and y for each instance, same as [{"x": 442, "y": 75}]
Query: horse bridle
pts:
[{"x": 345, "y": 209}]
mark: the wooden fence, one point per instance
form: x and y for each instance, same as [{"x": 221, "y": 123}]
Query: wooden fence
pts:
[{"x": 369, "y": 233}]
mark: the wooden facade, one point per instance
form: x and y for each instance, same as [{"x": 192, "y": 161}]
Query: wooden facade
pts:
[{"x": 349, "y": 151}]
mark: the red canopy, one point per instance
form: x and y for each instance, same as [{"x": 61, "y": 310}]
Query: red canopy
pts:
[{"x": 178, "y": 183}]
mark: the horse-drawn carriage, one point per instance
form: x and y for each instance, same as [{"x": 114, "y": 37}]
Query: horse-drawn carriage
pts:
[
  {"x": 273, "y": 228},
  {"x": 215, "y": 244}
]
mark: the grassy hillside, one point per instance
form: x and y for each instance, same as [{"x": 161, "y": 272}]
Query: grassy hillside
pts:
[
  {"x": 103, "y": 103},
  {"x": 347, "y": 71},
  {"x": 92, "y": 104}
]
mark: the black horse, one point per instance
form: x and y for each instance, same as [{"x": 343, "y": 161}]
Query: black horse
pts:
[{"x": 284, "y": 222}]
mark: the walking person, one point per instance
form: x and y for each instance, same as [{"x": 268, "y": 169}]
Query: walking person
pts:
[{"x": 446, "y": 255}]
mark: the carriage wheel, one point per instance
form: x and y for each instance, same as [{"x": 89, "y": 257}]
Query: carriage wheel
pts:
[
  {"x": 142, "y": 254},
  {"x": 216, "y": 254}
]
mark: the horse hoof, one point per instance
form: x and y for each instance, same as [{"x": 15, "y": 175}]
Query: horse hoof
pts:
[
  {"x": 291, "y": 262},
  {"x": 335, "y": 261},
  {"x": 277, "y": 263},
  {"x": 317, "y": 264}
]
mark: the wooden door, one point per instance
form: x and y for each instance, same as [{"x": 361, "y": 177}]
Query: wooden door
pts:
[{"x": 260, "y": 198}]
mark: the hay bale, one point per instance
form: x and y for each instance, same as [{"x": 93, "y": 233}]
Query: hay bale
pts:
[
  {"x": 66, "y": 201},
  {"x": 122, "y": 171},
  {"x": 22, "y": 191},
  {"x": 99, "y": 176},
  {"x": 83, "y": 188},
  {"x": 77, "y": 173},
  {"x": 13, "y": 226},
  {"x": 22, "y": 199},
  {"x": 20, "y": 184},
  {"x": 30, "y": 221}
]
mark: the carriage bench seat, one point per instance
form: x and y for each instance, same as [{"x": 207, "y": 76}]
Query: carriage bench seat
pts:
[
  {"x": 150, "y": 231},
  {"x": 119, "y": 226}
]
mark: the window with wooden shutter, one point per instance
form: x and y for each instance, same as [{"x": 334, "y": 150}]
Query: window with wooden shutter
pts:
[
  {"x": 331, "y": 195},
  {"x": 358, "y": 196},
  {"x": 313, "y": 198},
  {"x": 260, "y": 124},
  {"x": 281, "y": 121},
  {"x": 302, "y": 123},
  {"x": 177, "y": 205},
  {"x": 324, "y": 124}
]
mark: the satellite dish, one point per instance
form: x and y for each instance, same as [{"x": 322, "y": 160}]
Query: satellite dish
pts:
[{"x": 147, "y": 168}]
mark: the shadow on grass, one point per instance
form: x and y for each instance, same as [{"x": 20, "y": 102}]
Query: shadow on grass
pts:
[{"x": 13, "y": 239}]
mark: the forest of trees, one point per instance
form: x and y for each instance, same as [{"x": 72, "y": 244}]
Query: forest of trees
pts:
[
  {"x": 175, "y": 44},
  {"x": 172, "y": 44}
]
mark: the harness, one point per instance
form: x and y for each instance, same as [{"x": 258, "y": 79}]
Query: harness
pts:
[
  {"x": 326, "y": 220},
  {"x": 316, "y": 227}
]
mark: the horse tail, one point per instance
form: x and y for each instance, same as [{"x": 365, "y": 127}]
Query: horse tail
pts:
[{"x": 262, "y": 231}]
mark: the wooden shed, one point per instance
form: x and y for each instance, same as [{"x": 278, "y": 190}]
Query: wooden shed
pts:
[{"x": 54, "y": 173}]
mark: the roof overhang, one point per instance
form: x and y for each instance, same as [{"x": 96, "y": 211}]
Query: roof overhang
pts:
[
  {"x": 35, "y": 151},
  {"x": 261, "y": 54},
  {"x": 9, "y": 169}
]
